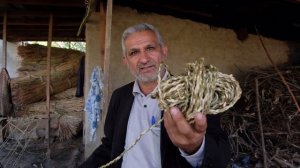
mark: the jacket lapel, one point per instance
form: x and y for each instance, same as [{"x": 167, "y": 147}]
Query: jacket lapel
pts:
[
  {"x": 164, "y": 140},
  {"x": 124, "y": 117},
  {"x": 121, "y": 123}
]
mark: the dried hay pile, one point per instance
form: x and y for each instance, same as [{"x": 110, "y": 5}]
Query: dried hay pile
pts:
[
  {"x": 29, "y": 90},
  {"x": 280, "y": 120},
  {"x": 66, "y": 113},
  {"x": 30, "y": 86},
  {"x": 34, "y": 58}
]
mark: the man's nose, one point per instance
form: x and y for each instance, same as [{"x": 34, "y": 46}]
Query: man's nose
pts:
[{"x": 144, "y": 57}]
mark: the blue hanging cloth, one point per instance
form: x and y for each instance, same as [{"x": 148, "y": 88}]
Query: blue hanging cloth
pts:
[{"x": 93, "y": 104}]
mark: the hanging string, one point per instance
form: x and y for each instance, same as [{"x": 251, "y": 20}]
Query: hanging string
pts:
[{"x": 133, "y": 144}]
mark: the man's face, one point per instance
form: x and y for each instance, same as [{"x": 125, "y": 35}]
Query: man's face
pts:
[{"x": 144, "y": 55}]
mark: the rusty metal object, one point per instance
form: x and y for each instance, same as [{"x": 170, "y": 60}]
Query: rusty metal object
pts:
[{"x": 6, "y": 107}]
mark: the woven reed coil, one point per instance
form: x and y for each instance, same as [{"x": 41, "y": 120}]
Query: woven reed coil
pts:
[{"x": 201, "y": 89}]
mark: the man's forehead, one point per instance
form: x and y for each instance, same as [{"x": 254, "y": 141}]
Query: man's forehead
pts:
[{"x": 140, "y": 39}]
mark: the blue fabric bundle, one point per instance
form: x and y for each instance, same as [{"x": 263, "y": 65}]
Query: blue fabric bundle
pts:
[{"x": 93, "y": 105}]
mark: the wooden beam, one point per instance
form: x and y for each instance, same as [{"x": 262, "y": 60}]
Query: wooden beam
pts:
[
  {"x": 29, "y": 29},
  {"x": 102, "y": 34},
  {"x": 4, "y": 41},
  {"x": 75, "y": 13},
  {"x": 42, "y": 30},
  {"x": 45, "y": 2},
  {"x": 106, "y": 85},
  {"x": 48, "y": 83},
  {"x": 57, "y": 36},
  {"x": 44, "y": 38},
  {"x": 42, "y": 23}
]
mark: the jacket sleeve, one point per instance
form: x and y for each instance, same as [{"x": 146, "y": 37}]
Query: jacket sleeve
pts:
[
  {"x": 217, "y": 148},
  {"x": 102, "y": 154}
]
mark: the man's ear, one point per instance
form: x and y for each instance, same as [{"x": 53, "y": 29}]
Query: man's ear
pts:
[
  {"x": 165, "y": 51},
  {"x": 124, "y": 60}
]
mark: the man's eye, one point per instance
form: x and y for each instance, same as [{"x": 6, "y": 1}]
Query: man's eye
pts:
[
  {"x": 133, "y": 53},
  {"x": 150, "y": 48}
]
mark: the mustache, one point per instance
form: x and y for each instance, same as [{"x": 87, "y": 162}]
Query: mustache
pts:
[{"x": 145, "y": 65}]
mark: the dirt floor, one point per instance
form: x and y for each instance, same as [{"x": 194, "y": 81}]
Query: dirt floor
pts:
[{"x": 32, "y": 153}]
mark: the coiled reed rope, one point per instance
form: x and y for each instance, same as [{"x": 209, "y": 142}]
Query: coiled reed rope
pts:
[{"x": 201, "y": 89}]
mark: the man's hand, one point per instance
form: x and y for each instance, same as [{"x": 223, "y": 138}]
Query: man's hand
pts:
[{"x": 186, "y": 137}]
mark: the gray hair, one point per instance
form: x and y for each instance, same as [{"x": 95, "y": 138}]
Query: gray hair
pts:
[{"x": 139, "y": 28}]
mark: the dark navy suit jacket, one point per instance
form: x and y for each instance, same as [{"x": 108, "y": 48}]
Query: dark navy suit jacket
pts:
[{"x": 216, "y": 152}]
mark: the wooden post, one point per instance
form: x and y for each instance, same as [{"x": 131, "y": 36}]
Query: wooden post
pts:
[
  {"x": 106, "y": 84},
  {"x": 102, "y": 20},
  {"x": 4, "y": 42},
  {"x": 48, "y": 83}
]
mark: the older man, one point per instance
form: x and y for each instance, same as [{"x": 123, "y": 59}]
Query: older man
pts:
[{"x": 174, "y": 143}]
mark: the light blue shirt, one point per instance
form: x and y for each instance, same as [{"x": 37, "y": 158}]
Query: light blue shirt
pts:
[{"x": 146, "y": 153}]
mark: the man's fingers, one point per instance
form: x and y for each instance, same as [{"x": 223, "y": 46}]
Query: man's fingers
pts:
[
  {"x": 180, "y": 121},
  {"x": 181, "y": 133},
  {"x": 176, "y": 122},
  {"x": 168, "y": 121},
  {"x": 200, "y": 123}
]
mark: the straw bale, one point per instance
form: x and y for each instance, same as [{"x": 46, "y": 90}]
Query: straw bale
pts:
[
  {"x": 33, "y": 89},
  {"x": 36, "y": 66},
  {"x": 30, "y": 87},
  {"x": 72, "y": 106},
  {"x": 36, "y": 50},
  {"x": 34, "y": 57},
  {"x": 61, "y": 126},
  {"x": 67, "y": 94},
  {"x": 65, "y": 116}
]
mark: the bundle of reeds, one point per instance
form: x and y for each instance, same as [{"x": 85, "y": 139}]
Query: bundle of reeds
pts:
[
  {"x": 35, "y": 66},
  {"x": 67, "y": 126},
  {"x": 65, "y": 114},
  {"x": 34, "y": 57},
  {"x": 67, "y": 94},
  {"x": 71, "y": 106},
  {"x": 30, "y": 87},
  {"x": 61, "y": 126},
  {"x": 38, "y": 51}
]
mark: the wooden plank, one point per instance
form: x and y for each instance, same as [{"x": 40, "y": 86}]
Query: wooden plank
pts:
[
  {"x": 17, "y": 13},
  {"x": 3, "y": 129},
  {"x": 4, "y": 41},
  {"x": 102, "y": 25},
  {"x": 48, "y": 82},
  {"x": 45, "y": 2},
  {"x": 106, "y": 84},
  {"x": 17, "y": 38},
  {"x": 41, "y": 22}
]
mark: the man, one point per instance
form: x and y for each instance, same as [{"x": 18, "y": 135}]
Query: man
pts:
[{"x": 174, "y": 143}]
